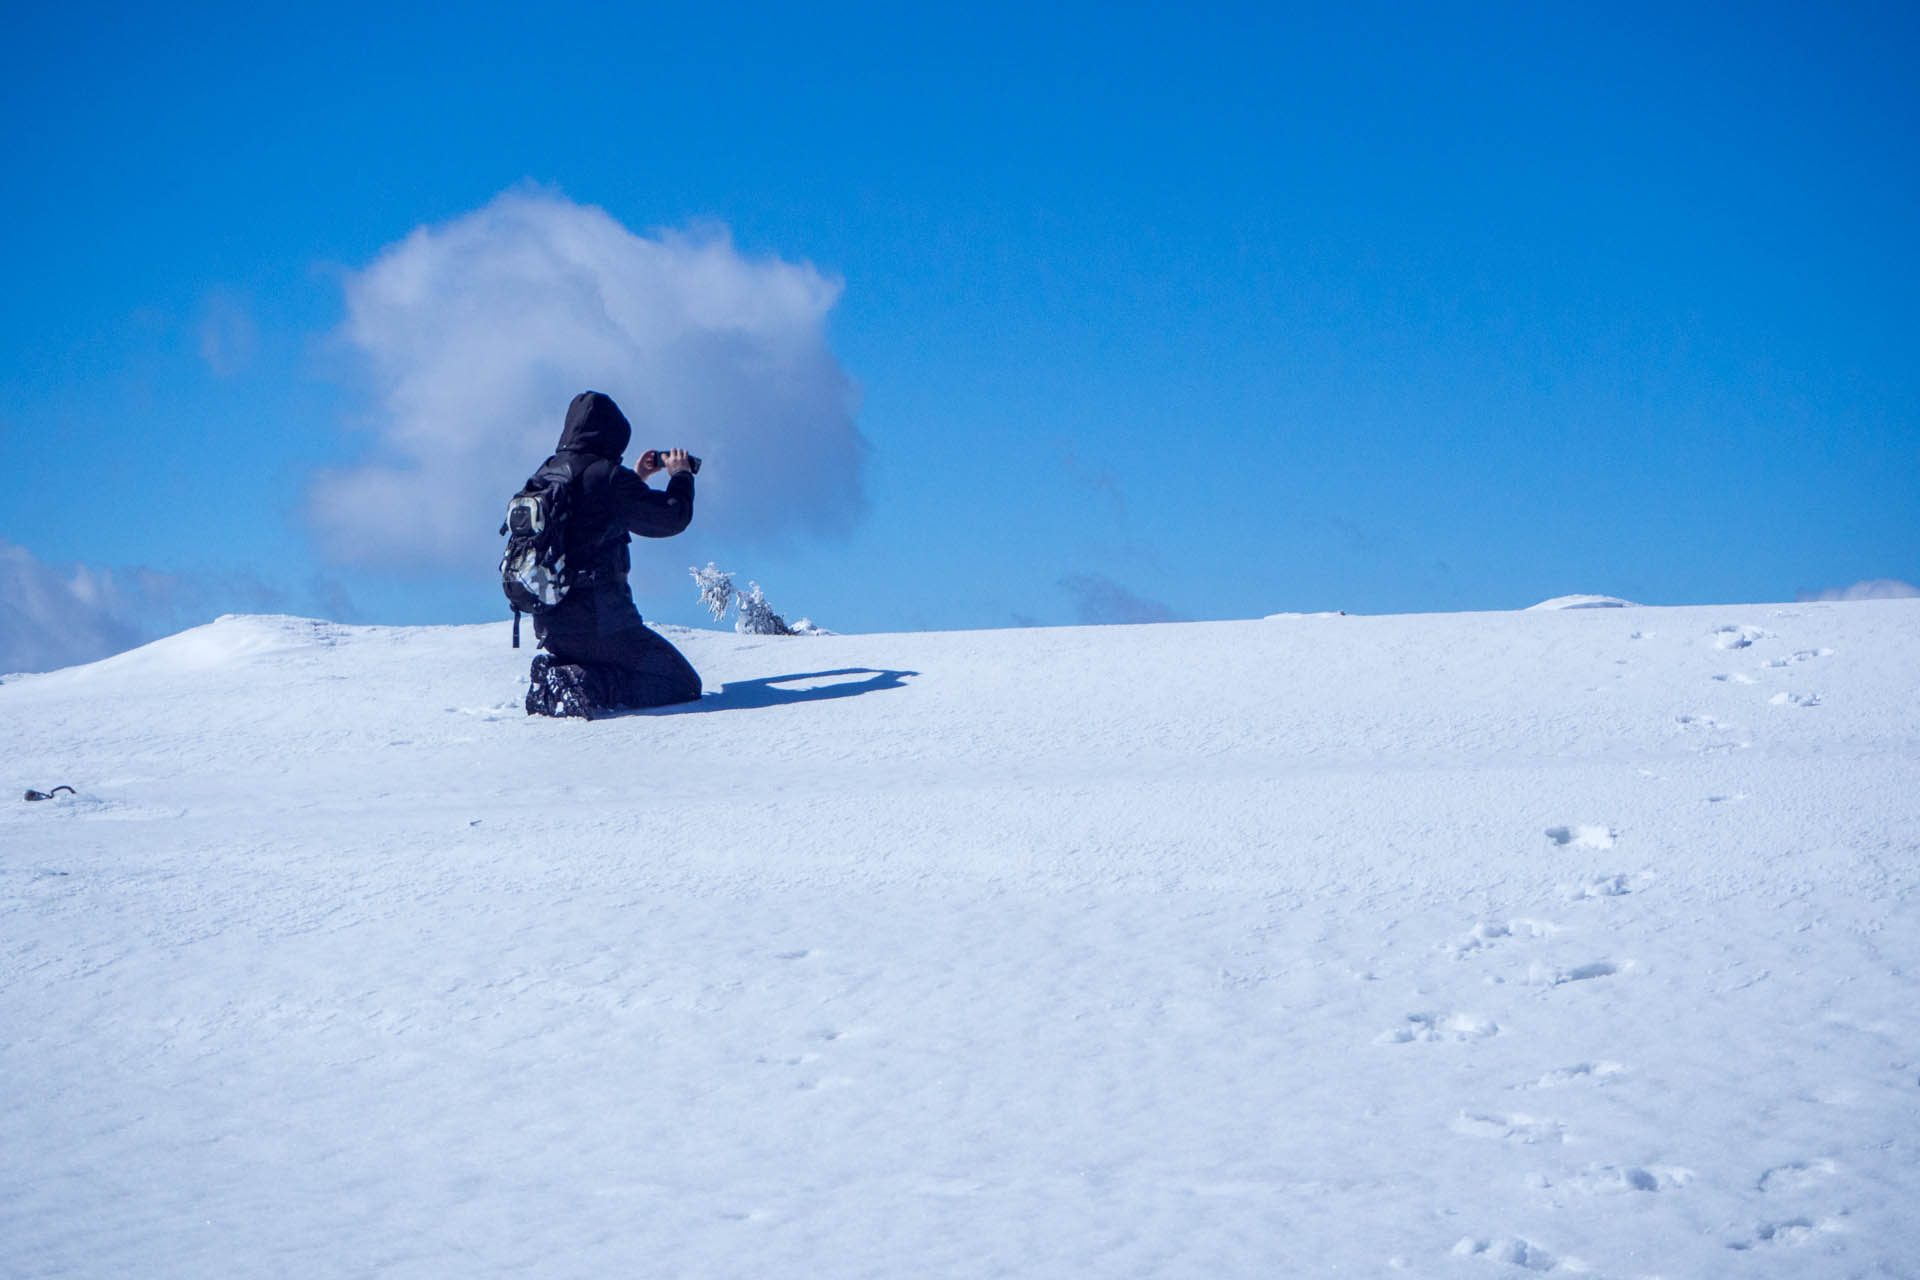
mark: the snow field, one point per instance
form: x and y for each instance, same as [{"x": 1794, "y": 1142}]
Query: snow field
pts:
[{"x": 1463, "y": 945}]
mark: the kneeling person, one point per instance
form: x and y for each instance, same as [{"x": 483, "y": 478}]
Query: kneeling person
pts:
[{"x": 599, "y": 654}]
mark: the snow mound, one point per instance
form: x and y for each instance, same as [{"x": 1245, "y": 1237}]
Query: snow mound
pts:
[
  {"x": 1583, "y": 602},
  {"x": 227, "y": 640}
]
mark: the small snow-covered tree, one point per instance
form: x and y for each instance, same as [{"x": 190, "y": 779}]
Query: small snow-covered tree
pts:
[
  {"x": 716, "y": 589},
  {"x": 753, "y": 616},
  {"x": 757, "y": 617}
]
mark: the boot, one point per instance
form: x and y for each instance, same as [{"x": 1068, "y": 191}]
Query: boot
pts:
[
  {"x": 570, "y": 691},
  {"x": 539, "y": 701}
]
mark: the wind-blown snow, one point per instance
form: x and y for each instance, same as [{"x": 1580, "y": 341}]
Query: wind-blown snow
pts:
[{"x": 1567, "y": 941}]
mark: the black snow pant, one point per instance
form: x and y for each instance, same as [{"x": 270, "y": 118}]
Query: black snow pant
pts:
[{"x": 633, "y": 666}]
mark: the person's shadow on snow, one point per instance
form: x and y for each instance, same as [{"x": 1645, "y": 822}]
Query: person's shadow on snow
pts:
[{"x": 749, "y": 695}]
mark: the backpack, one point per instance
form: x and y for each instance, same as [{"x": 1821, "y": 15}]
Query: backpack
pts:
[{"x": 533, "y": 570}]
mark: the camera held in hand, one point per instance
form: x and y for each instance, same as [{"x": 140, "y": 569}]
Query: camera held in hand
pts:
[{"x": 655, "y": 459}]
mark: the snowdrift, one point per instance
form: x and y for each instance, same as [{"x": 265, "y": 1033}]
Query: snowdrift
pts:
[
  {"x": 1575, "y": 939},
  {"x": 1585, "y": 602}
]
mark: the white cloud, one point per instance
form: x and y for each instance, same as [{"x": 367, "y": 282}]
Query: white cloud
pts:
[
  {"x": 57, "y": 617},
  {"x": 479, "y": 331},
  {"x": 62, "y": 615},
  {"x": 1868, "y": 589}
]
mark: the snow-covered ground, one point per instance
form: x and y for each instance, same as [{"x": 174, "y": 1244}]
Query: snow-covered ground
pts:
[{"x": 1575, "y": 941}]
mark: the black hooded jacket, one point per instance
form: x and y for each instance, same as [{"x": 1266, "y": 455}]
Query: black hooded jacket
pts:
[{"x": 607, "y": 503}]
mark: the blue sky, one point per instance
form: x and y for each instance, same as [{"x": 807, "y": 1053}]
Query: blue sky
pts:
[{"x": 1149, "y": 314}]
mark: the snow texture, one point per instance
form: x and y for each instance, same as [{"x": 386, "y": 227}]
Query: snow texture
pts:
[{"x": 1469, "y": 945}]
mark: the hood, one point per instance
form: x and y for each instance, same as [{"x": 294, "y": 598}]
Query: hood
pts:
[{"x": 595, "y": 425}]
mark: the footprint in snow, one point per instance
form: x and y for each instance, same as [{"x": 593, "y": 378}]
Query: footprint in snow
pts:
[
  {"x": 1523, "y": 1129},
  {"x": 1429, "y": 1027},
  {"x": 1783, "y": 699},
  {"x": 1797, "y": 1176},
  {"x": 1548, "y": 976},
  {"x": 1738, "y": 637},
  {"x": 1584, "y": 837},
  {"x": 1803, "y": 655},
  {"x": 1611, "y": 1179},
  {"x": 1614, "y": 886},
  {"x": 1491, "y": 933},
  {"x": 1697, "y": 722},
  {"x": 1515, "y": 1253},
  {"x": 1794, "y": 1231},
  {"x": 1600, "y": 1072}
]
